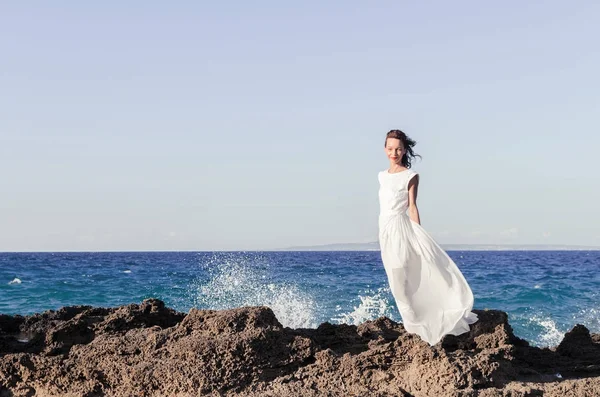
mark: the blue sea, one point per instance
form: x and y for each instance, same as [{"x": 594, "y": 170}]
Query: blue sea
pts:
[{"x": 545, "y": 293}]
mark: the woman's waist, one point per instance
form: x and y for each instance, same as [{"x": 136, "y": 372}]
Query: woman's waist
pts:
[{"x": 383, "y": 213}]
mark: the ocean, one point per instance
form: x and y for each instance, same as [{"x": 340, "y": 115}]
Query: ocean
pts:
[{"x": 545, "y": 293}]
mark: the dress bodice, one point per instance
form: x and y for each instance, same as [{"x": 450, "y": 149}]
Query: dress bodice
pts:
[{"x": 393, "y": 191}]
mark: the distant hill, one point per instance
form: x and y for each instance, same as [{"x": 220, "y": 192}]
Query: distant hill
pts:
[{"x": 374, "y": 246}]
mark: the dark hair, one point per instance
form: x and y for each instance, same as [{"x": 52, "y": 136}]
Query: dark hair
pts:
[{"x": 407, "y": 143}]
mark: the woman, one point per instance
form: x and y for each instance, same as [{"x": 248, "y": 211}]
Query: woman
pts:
[{"x": 431, "y": 293}]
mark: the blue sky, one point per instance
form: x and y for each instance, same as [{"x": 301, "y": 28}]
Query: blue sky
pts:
[{"x": 230, "y": 125}]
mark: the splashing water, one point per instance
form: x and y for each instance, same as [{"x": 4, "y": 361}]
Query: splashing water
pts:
[
  {"x": 590, "y": 317},
  {"x": 371, "y": 307},
  {"x": 550, "y": 335},
  {"x": 235, "y": 282},
  {"x": 15, "y": 281}
]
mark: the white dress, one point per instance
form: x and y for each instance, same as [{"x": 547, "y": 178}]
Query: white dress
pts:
[{"x": 431, "y": 293}]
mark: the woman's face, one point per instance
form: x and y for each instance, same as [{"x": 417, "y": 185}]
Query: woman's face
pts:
[{"x": 394, "y": 150}]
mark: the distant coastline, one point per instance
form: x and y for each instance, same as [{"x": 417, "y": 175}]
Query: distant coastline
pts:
[{"x": 374, "y": 246}]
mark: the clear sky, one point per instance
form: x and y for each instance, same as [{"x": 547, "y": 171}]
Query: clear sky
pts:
[{"x": 258, "y": 125}]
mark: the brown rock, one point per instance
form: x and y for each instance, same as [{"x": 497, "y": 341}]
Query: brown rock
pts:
[{"x": 151, "y": 350}]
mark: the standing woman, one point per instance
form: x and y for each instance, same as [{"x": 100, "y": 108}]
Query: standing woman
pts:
[{"x": 433, "y": 297}]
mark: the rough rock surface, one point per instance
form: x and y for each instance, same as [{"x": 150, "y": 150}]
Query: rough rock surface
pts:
[{"x": 151, "y": 350}]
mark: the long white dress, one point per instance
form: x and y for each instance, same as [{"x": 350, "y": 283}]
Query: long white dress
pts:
[{"x": 431, "y": 293}]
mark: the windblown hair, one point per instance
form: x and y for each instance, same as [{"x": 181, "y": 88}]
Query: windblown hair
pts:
[{"x": 408, "y": 145}]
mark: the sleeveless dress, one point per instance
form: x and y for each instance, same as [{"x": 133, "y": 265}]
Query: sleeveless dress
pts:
[{"x": 431, "y": 293}]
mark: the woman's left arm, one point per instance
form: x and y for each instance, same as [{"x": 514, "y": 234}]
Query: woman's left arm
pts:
[{"x": 413, "y": 210}]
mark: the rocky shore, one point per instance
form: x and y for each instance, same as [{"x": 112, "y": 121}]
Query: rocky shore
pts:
[{"x": 151, "y": 350}]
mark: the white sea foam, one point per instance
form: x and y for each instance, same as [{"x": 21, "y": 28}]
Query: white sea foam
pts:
[
  {"x": 372, "y": 305},
  {"x": 240, "y": 280},
  {"x": 551, "y": 335},
  {"x": 127, "y": 271},
  {"x": 15, "y": 281},
  {"x": 589, "y": 317}
]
